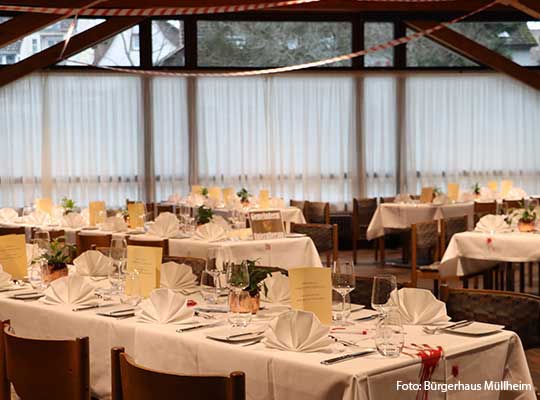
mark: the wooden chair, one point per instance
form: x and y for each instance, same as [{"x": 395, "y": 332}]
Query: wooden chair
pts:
[
  {"x": 163, "y": 243},
  {"x": 197, "y": 265},
  {"x": 87, "y": 242},
  {"x": 301, "y": 204},
  {"x": 133, "y": 382},
  {"x": 363, "y": 210},
  {"x": 161, "y": 208},
  {"x": 363, "y": 288},
  {"x": 43, "y": 369},
  {"x": 151, "y": 211},
  {"x": 53, "y": 234},
  {"x": 324, "y": 236},
  {"x": 511, "y": 204},
  {"x": 12, "y": 230},
  {"x": 386, "y": 199},
  {"x": 317, "y": 212},
  {"x": 426, "y": 242},
  {"x": 482, "y": 208}
]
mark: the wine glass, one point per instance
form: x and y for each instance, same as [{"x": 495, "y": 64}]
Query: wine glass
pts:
[
  {"x": 214, "y": 266},
  {"x": 383, "y": 286},
  {"x": 118, "y": 255},
  {"x": 343, "y": 282},
  {"x": 42, "y": 239},
  {"x": 237, "y": 276}
]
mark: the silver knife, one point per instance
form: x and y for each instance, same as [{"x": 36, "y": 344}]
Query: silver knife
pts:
[
  {"x": 192, "y": 328},
  {"x": 346, "y": 357},
  {"x": 368, "y": 318},
  {"x": 244, "y": 334},
  {"x": 90, "y": 307}
]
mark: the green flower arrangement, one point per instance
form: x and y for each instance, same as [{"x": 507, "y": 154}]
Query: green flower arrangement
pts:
[
  {"x": 257, "y": 275},
  {"x": 476, "y": 188},
  {"x": 204, "y": 215},
  {"x": 204, "y": 191},
  {"x": 59, "y": 253},
  {"x": 68, "y": 205},
  {"x": 243, "y": 194}
]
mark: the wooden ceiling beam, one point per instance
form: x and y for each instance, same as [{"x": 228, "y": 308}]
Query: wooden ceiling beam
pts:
[
  {"x": 25, "y": 24},
  {"x": 532, "y": 9},
  {"x": 78, "y": 43},
  {"x": 478, "y": 53}
]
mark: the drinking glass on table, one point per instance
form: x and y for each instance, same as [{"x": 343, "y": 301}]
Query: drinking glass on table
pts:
[
  {"x": 214, "y": 266},
  {"x": 389, "y": 335},
  {"x": 132, "y": 294},
  {"x": 118, "y": 255},
  {"x": 383, "y": 286},
  {"x": 237, "y": 276},
  {"x": 42, "y": 239},
  {"x": 343, "y": 282},
  {"x": 208, "y": 288},
  {"x": 239, "y": 308}
]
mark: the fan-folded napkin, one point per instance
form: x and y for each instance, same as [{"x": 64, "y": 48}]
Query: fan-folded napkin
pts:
[
  {"x": 93, "y": 263},
  {"x": 73, "y": 220},
  {"x": 165, "y": 225},
  {"x": 114, "y": 224},
  {"x": 72, "y": 290},
  {"x": 419, "y": 307},
  {"x": 278, "y": 288},
  {"x": 516, "y": 194},
  {"x": 8, "y": 215},
  {"x": 177, "y": 276},
  {"x": 299, "y": 331},
  {"x": 210, "y": 232},
  {"x": 38, "y": 218},
  {"x": 403, "y": 198},
  {"x": 492, "y": 224},
  {"x": 164, "y": 306}
]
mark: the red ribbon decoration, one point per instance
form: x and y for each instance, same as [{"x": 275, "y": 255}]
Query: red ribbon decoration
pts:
[{"x": 430, "y": 359}]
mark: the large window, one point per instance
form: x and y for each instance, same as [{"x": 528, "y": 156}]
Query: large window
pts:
[
  {"x": 267, "y": 44},
  {"x": 168, "y": 43},
  {"x": 376, "y": 33}
]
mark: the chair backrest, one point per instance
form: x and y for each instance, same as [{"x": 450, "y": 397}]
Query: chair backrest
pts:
[
  {"x": 301, "y": 204},
  {"x": 518, "y": 312},
  {"x": 324, "y": 236},
  {"x": 44, "y": 369},
  {"x": 87, "y": 242},
  {"x": 388, "y": 199},
  {"x": 12, "y": 230},
  {"x": 363, "y": 210},
  {"x": 510, "y": 204},
  {"x": 161, "y": 208},
  {"x": 133, "y": 382},
  {"x": 425, "y": 239},
  {"x": 53, "y": 234},
  {"x": 163, "y": 243},
  {"x": 451, "y": 226},
  {"x": 362, "y": 291},
  {"x": 317, "y": 212},
  {"x": 482, "y": 208},
  {"x": 197, "y": 265}
]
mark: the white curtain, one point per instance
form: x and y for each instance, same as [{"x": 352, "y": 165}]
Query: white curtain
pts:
[
  {"x": 379, "y": 127},
  {"x": 292, "y": 135},
  {"x": 94, "y": 125},
  {"x": 21, "y": 137},
  {"x": 170, "y": 130},
  {"x": 471, "y": 129}
]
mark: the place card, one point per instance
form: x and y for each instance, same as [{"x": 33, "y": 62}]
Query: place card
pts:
[
  {"x": 426, "y": 196},
  {"x": 264, "y": 198},
  {"x": 214, "y": 193},
  {"x": 136, "y": 214},
  {"x": 147, "y": 261},
  {"x": 311, "y": 290},
  {"x": 506, "y": 186},
  {"x": 453, "y": 191},
  {"x": 44, "y": 204},
  {"x": 13, "y": 255},
  {"x": 266, "y": 225},
  {"x": 97, "y": 212},
  {"x": 196, "y": 189},
  {"x": 493, "y": 186}
]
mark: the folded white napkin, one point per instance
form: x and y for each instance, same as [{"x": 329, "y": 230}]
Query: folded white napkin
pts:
[
  {"x": 492, "y": 224},
  {"x": 57, "y": 215},
  {"x": 278, "y": 288},
  {"x": 73, "y": 220},
  {"x": 72, "y": 290},
  {"x": 516, "y": 193},
  {"x": 299, "y": 331},
  {"x": 403, "y": 198},
  {"x": 419, "y": 307},
  {"x": 93, "y": 263},
  {"x": 177, "y": 276},
  {"x": 85, "y": 213},
  {"x": 38, "y": 218},
  {"x": 114, "y": 224},
  {"x": 466, "y": 197},
  {"x": 5, "y": 278},
  {"x": 441, "y": 199},
  {"x": 277, "y": 202},
  {"x": 8, "y": 215},
  {"x": 164, "y": 307},
  {"x": 165, "y": 225},
  {"x": 487, "y": 194},
  {"x": 210, "y": 232},
  {"x": 219, "y": 220}
]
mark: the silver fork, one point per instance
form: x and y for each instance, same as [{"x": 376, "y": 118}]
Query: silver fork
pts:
[{"x": 434, "y": 331}]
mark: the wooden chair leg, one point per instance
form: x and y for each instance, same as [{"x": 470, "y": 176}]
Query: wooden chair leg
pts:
[
  {"x": 522, "y": 277},
  {"x": 376, "y": 249},
  {"x": 465, "y": 282},
  {"x": 381, "y": 248},
  {"x": 476, "y": 282},
  {"x": 436, "y": 288},
  {"x": 530, "y": 269},
  {"x": 354, "y": 251},
  {"x": 509, "y": 277}
]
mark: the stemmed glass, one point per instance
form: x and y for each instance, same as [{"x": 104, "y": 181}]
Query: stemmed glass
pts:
[
  {"x": 118, "y": 255},
  {"x": 239, "y": 299},
  {"x": 343, "y": 282},
  {"x": 214, "y": 266},
  {"x": 237, "y": 276},
  {"x": 41, "y": 245},
  {"x": 383, "y": 286}
]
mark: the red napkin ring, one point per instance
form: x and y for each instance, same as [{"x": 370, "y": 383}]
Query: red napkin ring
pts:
[{"x": 191, "y": 303}]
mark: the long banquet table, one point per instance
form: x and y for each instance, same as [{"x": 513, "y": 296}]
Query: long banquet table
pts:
[{"x": 273, "y": 374}]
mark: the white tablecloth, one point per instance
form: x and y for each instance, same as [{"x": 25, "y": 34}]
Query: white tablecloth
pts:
[
  {"x": 473, "y": 252},
  {"x": 273, "y": 374},
  {"x": 285, "y": 253},
  {"x": 402, "y": 215}
]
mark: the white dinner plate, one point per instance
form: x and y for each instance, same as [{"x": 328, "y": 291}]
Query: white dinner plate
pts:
[{"x": 477, "y": 329}]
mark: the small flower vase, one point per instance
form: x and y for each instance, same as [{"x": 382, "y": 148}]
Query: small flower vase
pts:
[
  {"x": 525, "y": 226},
  {"x": 51, "y": 272},
  {"x": 255, "y": 303}
]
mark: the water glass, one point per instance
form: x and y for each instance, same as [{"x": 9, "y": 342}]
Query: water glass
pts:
[
  {"x": 208, "y": 288},
  {"x": 343, "y": 282},
  {"x": 383, "y": 286},
  {"x": 239, "y": 308},
  {"x": 42, "y": 239},
  {"x": 389, "y": 335},
  {"x": 340, "y": 312},
  {"x": 237, "y": 276},
  {"x": 132, "y": 294},
  {"x": 118, "y": 255}
]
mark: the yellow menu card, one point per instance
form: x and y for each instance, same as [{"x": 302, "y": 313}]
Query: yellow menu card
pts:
[
  {"x": 311, "y": 290},
  {"x": 196, "y": 189},
  {"x": 214, "y": 193},
  {"x": 97, "y": 212},
  {"x": 493, "y": 186},
  {"x": 136, "y": 215},
  {"x": 506, "y": 186},
  {"x": 453, "y": 191},
  {"x": 228, "y": 195},
  {"x": 427, "y": 195},
  {"x": 264, "y": 198},
  {"x": 147, "y": 261},
  {"x": 13, "y": 255},
  {"x": 45, "y": 204}
]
